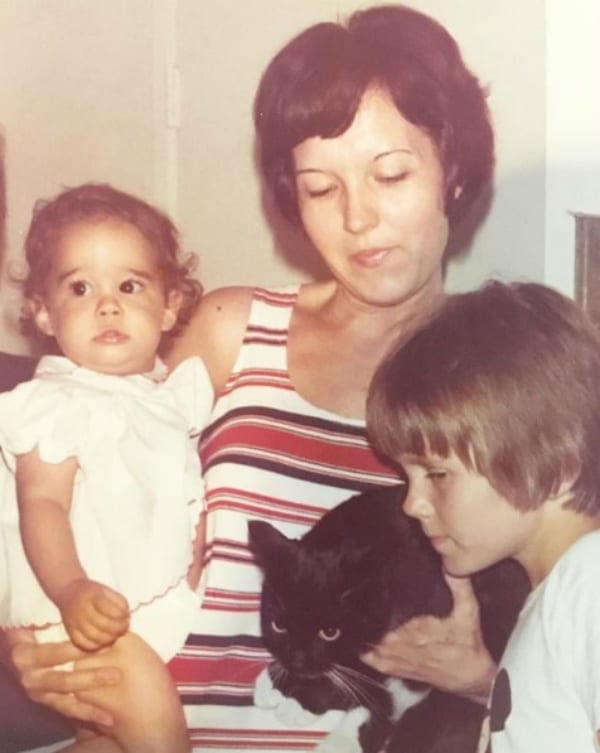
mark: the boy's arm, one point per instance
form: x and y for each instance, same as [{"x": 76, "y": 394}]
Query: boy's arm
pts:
[{"x": 93, "y": 614}]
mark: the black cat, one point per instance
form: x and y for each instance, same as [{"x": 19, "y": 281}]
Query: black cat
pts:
[{"x": 362, "y": 570}]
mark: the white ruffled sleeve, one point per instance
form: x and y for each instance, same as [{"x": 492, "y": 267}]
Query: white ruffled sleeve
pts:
[
  {"x": 44, "y": 415},
  {"x": 190, "y": 384}
]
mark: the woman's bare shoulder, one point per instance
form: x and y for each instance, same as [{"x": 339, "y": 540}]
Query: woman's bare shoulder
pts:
[{"x": 215, "y": 332}]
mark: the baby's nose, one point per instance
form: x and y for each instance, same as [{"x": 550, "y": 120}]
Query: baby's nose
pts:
[{"x": 108, "y": 305}]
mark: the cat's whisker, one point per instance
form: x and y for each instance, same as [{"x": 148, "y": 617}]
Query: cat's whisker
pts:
[
  {"x": 353, "y": 687},
  {"x": 247, "y": 669},
  {"x": 341, "y": 684},
  {"x": 354, "y": 683},
  {"x": 362, "y": 676}
]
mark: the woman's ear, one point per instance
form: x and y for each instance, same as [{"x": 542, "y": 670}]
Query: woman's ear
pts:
[
  {"x": 172, "y": 306},
  {"x": 41, "y": 316}
]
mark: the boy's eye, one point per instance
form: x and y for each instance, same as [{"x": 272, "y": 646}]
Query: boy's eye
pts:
[
  {"x": 278, "y": 627},
  {"x": 329, "y": 633},
  {"x": 131, "y": 286},
  {"x": 80, "y": 287},
  {"x": 437, "y": 473}
]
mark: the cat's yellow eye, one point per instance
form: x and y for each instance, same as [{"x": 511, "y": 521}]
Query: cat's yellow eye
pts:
[
  {"x": 277, "y": 627},
  {"x": 329, "y": 633}
]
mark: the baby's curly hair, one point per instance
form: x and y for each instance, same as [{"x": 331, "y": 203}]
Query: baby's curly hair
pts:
[{"x": 96, "y": 202}]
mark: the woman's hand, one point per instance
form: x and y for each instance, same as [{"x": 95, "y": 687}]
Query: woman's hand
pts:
[
  {"x": 36, "y": 667},
  {"x": 447, "y": 653}
]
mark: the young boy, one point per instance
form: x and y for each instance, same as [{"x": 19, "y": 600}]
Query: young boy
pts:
[{"x": 493, "y": 410}]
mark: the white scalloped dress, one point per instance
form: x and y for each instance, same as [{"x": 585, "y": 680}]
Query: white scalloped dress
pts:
[{"x": 138, "y": 492}]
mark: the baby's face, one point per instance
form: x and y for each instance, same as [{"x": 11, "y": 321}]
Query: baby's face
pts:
[{"x": 104, "y": 300}]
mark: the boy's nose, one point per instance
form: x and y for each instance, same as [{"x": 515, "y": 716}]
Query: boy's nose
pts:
[
  {"x": 108, "y": 305},
  {"x": 415, "y": 505}
]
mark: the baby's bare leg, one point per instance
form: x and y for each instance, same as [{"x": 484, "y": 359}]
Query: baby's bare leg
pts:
[
  {"x": 145, "y": 706},
  {"x": 92, "y": 742}
]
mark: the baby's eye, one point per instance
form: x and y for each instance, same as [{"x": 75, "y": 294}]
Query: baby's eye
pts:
[
  {"x": 278, "y": 627},
  {"x": 329, "y": 633},
  {"x": 80, "y": 287},
  {"x": 131, "y": 286}
]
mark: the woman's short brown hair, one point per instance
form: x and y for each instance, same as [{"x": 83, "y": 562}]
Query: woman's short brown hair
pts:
[
  {"x": 508, "y": 379},
  {"x": 314, "y": 86}
]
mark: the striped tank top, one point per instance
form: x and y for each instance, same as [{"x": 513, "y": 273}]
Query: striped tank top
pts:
[{"x": 267, "y": 453}]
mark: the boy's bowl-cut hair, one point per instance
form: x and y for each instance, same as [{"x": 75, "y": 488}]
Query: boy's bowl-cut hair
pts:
[{"x": 507, "y": 378}]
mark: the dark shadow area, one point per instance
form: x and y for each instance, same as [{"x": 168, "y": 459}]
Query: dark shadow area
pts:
[{"x": 25, "y": 725}]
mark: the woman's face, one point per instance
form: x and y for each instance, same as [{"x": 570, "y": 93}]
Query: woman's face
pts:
[{"x": 371, "y": 201}]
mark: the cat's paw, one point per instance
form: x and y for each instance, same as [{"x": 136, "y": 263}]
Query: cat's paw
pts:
[
  {"x": 265, "y": 695},
  {"x": 292, "y": 714}
]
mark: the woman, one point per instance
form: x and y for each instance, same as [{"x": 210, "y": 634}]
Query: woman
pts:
[{"x": 374, "y": 140}]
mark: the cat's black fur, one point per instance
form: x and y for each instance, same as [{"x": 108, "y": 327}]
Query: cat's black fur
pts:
[{"x": 364, "y": 569}]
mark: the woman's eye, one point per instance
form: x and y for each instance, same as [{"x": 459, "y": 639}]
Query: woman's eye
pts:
[
  {"x": 131, "y": 286},
  {"x": 329, "y": 633},
  {"x": 319, "y": 193},
  {"x": 278, "y": 627},
  {"x": 391, "y": 179},
  {"x": 80, "y": 287}
]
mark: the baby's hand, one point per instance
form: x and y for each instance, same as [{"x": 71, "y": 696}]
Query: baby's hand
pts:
[{"x": 94, "y": 615}]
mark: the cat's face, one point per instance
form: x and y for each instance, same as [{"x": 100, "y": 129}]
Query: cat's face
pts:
[{"x": 313, "y": 606}]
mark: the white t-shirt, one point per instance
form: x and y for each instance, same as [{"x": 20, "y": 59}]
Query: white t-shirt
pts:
[
  {"x": 137, "y": 494},
  {"x": 546, "y": 695}
]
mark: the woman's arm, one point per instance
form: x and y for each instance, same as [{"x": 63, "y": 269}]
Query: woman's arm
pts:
[
  {"x": 215, "y": 333},
  {"x": 448, "y": 653},
  {"x": 94, "y": 615}
]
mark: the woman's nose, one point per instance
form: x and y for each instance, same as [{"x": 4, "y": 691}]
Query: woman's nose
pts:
[
  {"x": 360, "y": 210},
  {"x": 108, "y": 305}
]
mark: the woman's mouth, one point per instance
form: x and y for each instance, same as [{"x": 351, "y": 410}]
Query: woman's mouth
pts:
[{"x": 370, "y": 257}]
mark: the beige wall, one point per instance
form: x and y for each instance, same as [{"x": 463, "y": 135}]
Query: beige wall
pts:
[{"x": 91, "y": 94}]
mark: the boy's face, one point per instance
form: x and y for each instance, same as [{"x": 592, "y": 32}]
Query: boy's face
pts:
[{"x": 467, "y": 521}]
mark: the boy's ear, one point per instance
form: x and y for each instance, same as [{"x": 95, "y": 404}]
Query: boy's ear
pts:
[
  {"x": 172, "y": 306},
  {"x": 41, "y": 316}
]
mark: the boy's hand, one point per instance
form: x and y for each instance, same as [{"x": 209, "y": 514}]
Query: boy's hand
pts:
[
  {"x": 94, "y": 615},
  {"x": 447, "y": 653}
]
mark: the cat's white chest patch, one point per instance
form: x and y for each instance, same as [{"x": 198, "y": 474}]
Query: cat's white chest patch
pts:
[
  {"x": 345, "y": 737},
  {"x": 403, "y": 697}
]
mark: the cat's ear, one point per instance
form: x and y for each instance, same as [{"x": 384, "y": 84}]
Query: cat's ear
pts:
[{"x": 269, "y": 545}]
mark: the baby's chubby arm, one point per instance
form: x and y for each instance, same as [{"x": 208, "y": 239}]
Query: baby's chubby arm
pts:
[{"x": 94, "y": 615}]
